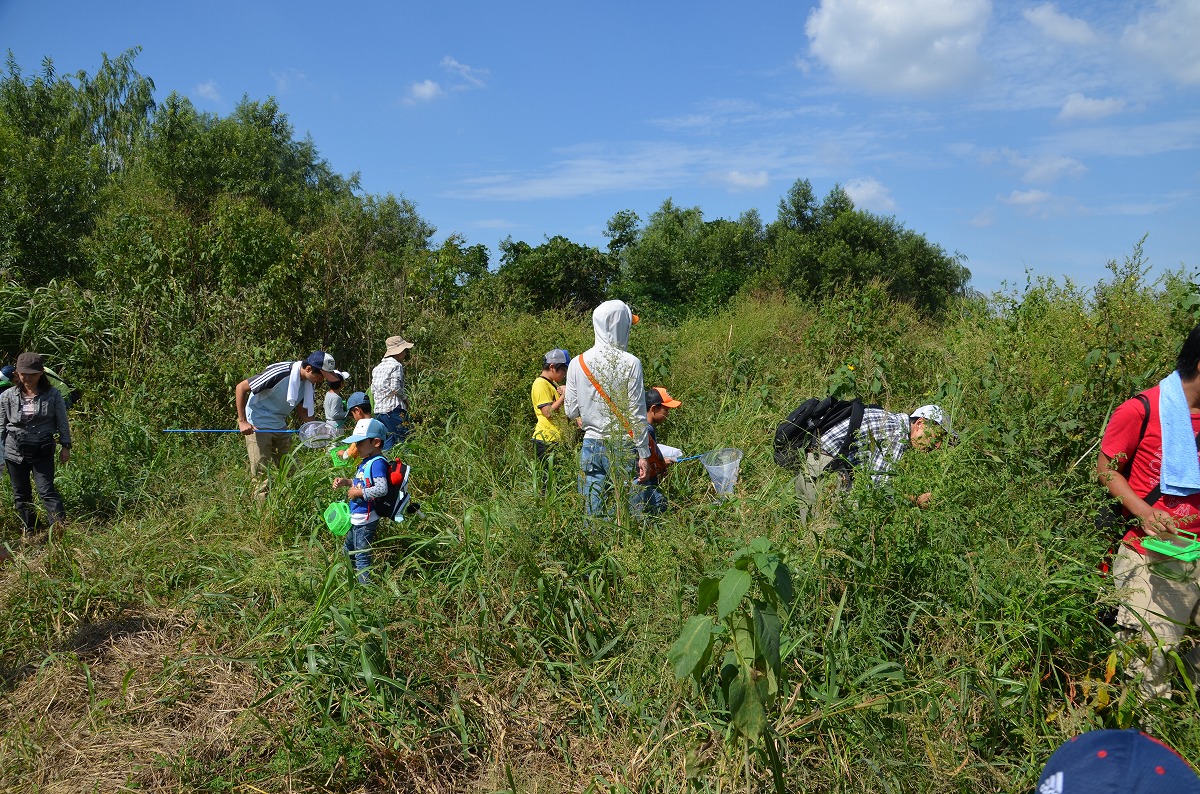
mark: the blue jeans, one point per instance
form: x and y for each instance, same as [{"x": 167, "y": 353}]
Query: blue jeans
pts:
[
  {"x": 648, "y": 500},
  {"x": 358, "y": 546},
  {"x": 396, "y": 424},
  {"x": 600, "y": 467}
]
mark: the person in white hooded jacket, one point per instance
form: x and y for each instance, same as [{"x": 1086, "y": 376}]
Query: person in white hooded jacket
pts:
[{"x": 606, "y": 393}]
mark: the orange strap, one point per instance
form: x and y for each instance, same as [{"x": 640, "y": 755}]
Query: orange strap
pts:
[{"x": 612, "y": 406}]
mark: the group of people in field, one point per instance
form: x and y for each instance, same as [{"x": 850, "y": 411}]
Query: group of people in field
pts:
[
  {"x": 265, "y": 401},
  {"x": 1149, "y": 458}
]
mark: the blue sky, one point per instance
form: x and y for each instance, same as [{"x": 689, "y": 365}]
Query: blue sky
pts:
[{"x": 1047, "y": 137}]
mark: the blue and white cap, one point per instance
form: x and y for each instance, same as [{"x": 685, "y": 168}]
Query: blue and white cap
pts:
[{"x": 364, "y": 429}]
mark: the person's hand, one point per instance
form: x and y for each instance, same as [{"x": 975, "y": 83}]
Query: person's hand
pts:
[
  {"x": 64, "y": 455},
  {"x": 1155, "y": 522},
  {"x": 670, "y": 461},
  {"x": 643, "y": 469},
  {"x": 245, "y": 427},
  {"x": 342, "y": 482},
  {"x": 561, "y": 389}
]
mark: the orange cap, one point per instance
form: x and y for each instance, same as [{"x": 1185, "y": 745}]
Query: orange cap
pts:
[{"x": 663, "y": 399}]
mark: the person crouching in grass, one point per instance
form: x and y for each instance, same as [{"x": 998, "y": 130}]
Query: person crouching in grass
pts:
[
  {"x": 648, "y": 499},
  {"x": 369, "y": 483}
]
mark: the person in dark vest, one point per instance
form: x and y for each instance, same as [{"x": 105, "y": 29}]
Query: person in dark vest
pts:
[
  {"x": 33, "y": 420},
  {"x": 648, "y": 498}
]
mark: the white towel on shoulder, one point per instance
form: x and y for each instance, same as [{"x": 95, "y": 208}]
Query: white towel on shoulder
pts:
[{"x": 300, "y": 389}]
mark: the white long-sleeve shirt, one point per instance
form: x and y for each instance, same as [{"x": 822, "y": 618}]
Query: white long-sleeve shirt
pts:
[{"x": 619, "y": 373}]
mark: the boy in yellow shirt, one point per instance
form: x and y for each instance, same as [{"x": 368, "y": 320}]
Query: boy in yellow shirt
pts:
[{"x": 547, "y": 397}]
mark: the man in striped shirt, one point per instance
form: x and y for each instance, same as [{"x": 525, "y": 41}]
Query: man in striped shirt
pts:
[{"x": 265, "y": 401}]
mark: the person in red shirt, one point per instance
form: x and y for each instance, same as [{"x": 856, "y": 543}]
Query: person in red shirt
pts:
[{"x": 1162, "y": 593}]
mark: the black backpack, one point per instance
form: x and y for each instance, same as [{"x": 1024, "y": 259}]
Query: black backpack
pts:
[
  {"x": 798, "y": 434},
  {"x": 395, "y": 503}
]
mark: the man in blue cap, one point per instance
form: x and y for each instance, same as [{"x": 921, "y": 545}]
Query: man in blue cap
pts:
[{"x": 265, "y": 401}]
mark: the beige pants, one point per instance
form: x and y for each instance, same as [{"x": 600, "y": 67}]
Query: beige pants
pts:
[
  {"x": 815, "y": 490},
  {"x": 1161, "y": 602},
  {"x": 266, "y": 450}
]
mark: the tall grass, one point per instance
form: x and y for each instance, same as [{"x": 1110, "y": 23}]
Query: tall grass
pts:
[{"x": 505, "y": 644}]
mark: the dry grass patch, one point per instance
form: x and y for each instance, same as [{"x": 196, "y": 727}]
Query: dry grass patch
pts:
[{"x": 120, "y": 705}]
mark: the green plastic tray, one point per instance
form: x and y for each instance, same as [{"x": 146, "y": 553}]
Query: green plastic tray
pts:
[{"x": 1182, "y": 545}]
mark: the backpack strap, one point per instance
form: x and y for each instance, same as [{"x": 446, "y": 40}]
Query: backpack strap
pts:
[
  {"x": 1128, "y": 467},
  {"x": 611, "y": 405}
]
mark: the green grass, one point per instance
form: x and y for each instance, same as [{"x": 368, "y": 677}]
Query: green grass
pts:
[{"x": 178, "y": 636}]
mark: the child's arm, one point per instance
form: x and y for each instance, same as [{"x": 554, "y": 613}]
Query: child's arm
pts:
[
  {"x": 355, "y": 491},
  {"x": 548, "y": 409}
]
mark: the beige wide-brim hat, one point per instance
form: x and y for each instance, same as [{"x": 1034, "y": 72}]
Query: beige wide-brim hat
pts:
[{"x": 396, "y": 344}]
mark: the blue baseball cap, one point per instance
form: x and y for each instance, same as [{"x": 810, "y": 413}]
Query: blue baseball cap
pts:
[
  {"x": 1117, "y": 762},
  {"x": 556, "y": 357},
  {"x": 358, "y": 400},
  {"x": 364, "y": 429},
  {"x": 321, "y": 360}
]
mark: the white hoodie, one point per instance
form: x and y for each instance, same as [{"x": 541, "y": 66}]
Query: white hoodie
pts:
[{"x": 620, "y": 375}]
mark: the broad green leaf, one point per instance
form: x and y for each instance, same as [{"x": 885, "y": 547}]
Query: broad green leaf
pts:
[
  {"x": 743, "y": 640},
  {"x": 693, "y": 646},
  {"x": 746, "y": 708},
  {"x": 760, "y": 545},
  {"x": 706, "y": 594},
  {"x": 767, "y": 627},
  {"x": 766, "y": 564},
  {"x": 734, "y": 585},
  {"x": 783, "y": 587}
]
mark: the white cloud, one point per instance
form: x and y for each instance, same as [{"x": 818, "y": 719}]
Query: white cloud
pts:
[
  {"x": 738, "y": 181},
  {"x": 475, "y": 78},
  {"x": 1040, "y": 168},
  {"x": 1166, "y": 37},
  {"x": 287, "y": 78},
  {"x": 985, "y": 218},
  {"x": 912, "y": 46},
  {"x": 870, "y": 194},
  {"x": 1028, "y": 198},
  {"x": 1059, "y": 26},
  {"x": 495, "y": 223},
  {"x": 424, "y": 91},
  {"x": 1077, "y": 107},
  {"x": 1041, "y": 204},
  {"x": 1051, "y": 168},
  {"x": 208, "y": 90},
  {"x": 1172, "y": 135},
  {"x": 587, "y": 170}
]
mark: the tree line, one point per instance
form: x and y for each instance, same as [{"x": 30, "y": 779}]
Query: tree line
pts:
[{"x": 124, "y": 222}]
